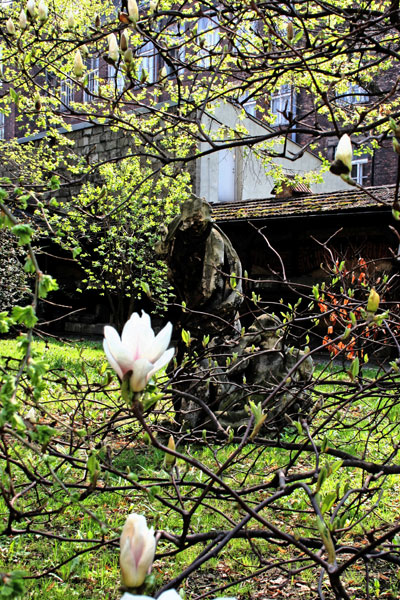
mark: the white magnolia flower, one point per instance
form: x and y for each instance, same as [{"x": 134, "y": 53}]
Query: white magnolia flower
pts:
[
  {"x": 344, "y": 151},
  {"x": 137, "y": 549},
  {"x": 138, "y": 350}
]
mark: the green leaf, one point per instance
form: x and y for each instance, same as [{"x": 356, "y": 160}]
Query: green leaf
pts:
[
  {"x": 46, "y": 284},
  {"x": 5, "y": 322},
  {"x": 186, "y": 337},
  {"x": 354, "y": 368},
  {"x": 24, "y": 315},
  {"x": 29, "y": 267},
  {"x": 93, "y": 467},
  {"x": 328, "y": 502},
  {"x": 23, "y": 232},
  {"x": 14, "y": 96},
  {"x": 323, "y": 474},
  {"x": 54, "y": 183}
]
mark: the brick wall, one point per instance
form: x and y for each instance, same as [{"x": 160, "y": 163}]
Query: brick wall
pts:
[{"x": 381, "y": 168}]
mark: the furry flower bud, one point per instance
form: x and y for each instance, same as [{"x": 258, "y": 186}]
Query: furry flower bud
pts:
[
  {"x": 133, "y": 11},
  {"x": 373, "y": 301},
  {"x": 43, "y": 11},
  {"x": 78, "y": 64},
  {"x": 169, "y": 459},
  {"x": 31, "y": 8},
  {"x": 343, "y": 158},
  {"x": 10, "y": 26},
  {"x": 128, "y": 56},
  {"x": 70, "y": 21},
  {"x": 123, "y": 43},
  {"x": 22, "y": 21},
  {"x": 113, "y": 51}
]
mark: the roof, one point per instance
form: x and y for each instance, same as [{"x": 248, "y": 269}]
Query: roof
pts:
[{"x": 317, "y": 204}]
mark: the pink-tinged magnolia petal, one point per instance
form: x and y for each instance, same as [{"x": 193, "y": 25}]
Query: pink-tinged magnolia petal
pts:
[
  {"x": 112, "y": 362},
  {"x": 160, "y": 343},
  {"x": 148, "y": 551},
  {"x": 140, "y": 375},
  {"x": 162, "y": 361},
  {"x": 117, "y": 350},
  {"x": 137, "y": 545},
  {"x": 128, "y": 570}
]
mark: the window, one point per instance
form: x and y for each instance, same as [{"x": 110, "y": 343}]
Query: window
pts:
[
  {"x": 208, "y": 40},
  {"x": 2, "y": 126},
  {"x": 176, "y": 51},
  {"x": 66, "y": 93},
  {"x": 249, "y": 104},
  {"x": 358, "y": 171},
  {"x": 283, "y": 101},
  {"x": 93, "y": 81},
  {"x": 147, "y": 55},
  {"x": 355, "y": 95},
  {"x": 116, "y": 77}
]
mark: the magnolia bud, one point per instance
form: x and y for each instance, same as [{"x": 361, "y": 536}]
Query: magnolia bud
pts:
[
  {"x": 113, "y": 51},
  {"x": 123, "y": 43},
  {"x": 133, "y": 11},
  {"x": 97, "y": 21},
  {"x": 84, "y": 50},
  {"x": 10, "y": 26},
  {"x": 38, "y": 102},
  {"x": 152, "y": 6},
  {"x": 373, "y": 301},
  {"x": 163, "y": 72},
  {"x": 169, "y": 459},
  {"x": 31, "y": 8},
  {"x": 290, "y": 31},
  {"x": 70, "y": 21},
  {"x": 343, "y": 158},
  {"x": 78, "y": 64},
  {"x": 137, "y": 549},
  {"x": 22, "y": 21},
  {"x": 43, "y": 11},
  {"x": 31, "y": 415},
  {"x": 128, "y": 56}
]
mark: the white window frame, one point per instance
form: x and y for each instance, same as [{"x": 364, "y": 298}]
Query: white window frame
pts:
[
  {"x": 93, "y": 79},
  {"x": 208, "y": 31},
  {"x": 66, "y": 93},
  {"x": 283, "y": 100},
  {"x": 355, "y": 95},
  {"x": 116, "y": 77},
  {"x": 177, "y": 51},
  {"x": 147, "y": 54},
  {"x": 2, "y": 126},
  {"x": 249, "y": 105},
  {"x": 360, "y": 174}
]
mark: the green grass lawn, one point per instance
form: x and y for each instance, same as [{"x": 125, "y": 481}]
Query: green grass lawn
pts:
[{"x": 82, "y": 395}]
